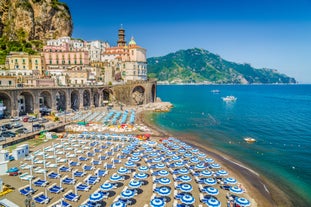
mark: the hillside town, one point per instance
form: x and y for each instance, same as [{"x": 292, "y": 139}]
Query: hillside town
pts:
[{"x": 74, "y": 62}]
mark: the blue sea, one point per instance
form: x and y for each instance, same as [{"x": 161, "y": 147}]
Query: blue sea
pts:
[{"x": 277, "y": 116}]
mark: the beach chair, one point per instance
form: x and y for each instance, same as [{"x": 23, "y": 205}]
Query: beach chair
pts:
[
  {"x": 70, "y": 196},
  {"x": 53, "y": 175},
  {"x": 26, "y": 190},
  {"x": 88, "y": 168},
  {"x": 41, "y": 198},
  {"x": 68, "y": 181},
  {"x": 74, "y": 164},
  {"x": 83, "y": 187},
  {"x": 83, "y": 158},
  {"x": 40, "y": 183},
  {"x": 55, "y": 189},
  {"x": 64, "y": 169},
  {"x": 78, "y": 174},
  {"x": 101, "y": 173}
]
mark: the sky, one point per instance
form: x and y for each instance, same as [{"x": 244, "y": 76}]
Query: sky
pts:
[{"x": 264, "y": 33}]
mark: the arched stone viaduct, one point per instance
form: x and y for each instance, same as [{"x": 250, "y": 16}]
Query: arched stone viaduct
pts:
[{"x": 30, "y": 100}]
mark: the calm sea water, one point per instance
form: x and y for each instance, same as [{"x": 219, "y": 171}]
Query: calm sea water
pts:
[{"x": 277, "y": 116}]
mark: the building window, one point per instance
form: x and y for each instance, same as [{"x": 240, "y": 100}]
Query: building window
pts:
[{"x": 0, "y": 82}]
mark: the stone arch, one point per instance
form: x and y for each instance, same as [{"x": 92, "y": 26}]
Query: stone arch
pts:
[
  {"x": 6, "y": 108},
  {"x": 138, "y": 95},
  {"x": 96, "y": 98},
  {"x": 45, "y": 99},
  {"x": 106, "y": 94},
  {"x": 86, "y": 98},
  {"x": 153, "y": 93},
  {"x": 61, "y": 101},
  {"x": 75, "y": 100},
  {"x": 25, "y": 103}
]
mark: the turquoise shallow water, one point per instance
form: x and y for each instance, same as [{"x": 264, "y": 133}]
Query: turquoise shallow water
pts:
[{"x": 277, "y": 116}]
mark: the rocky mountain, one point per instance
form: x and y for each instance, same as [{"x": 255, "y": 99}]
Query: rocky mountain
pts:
[
  {"x": 34, "y": 20},
  {"x": 201, "y": 66}
]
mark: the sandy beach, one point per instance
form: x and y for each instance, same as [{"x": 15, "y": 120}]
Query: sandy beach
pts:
[{"x": 258, "y": 190}]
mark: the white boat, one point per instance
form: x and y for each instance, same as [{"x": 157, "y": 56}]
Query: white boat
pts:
[
  {"x": 215, "y": 91},
  {"x": 249, "y": 140},
  {"x": 229, "y": 98}
]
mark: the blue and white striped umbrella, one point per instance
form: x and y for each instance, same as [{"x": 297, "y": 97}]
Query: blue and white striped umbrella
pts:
[
  {"x": 200, "y": 166},
  {"x": 188, "y": 147},
  {"x": 235, "y": 189},
  {"x": 164, "y": 181},
  {"x": 185, "y": 187},
  {"x": 141, "y": 175},
  {"x": 195, "y": 150},
  {"x": 222, "y": 173},
  {"x": 134, "y": 159},
  {"x": 143, "y": 168},
  {"x": 182, "y": 151},
  {"x": 127, "y": 194},
  {"x": 136, "y": 154},
  {"x": 206, "y": 173},
  {"x": 215, "y": 165},
  {"x": 156, "y": 159},
  {"x": 157, "y": 202},
  {"x": 210, "y": 181},
  {"x": 116, "y": 177},
  {"x": 212, "y": 202},
  {"x": 169, "y": 153},
  {"x": 135, "y": 184},
  {"x": 202, "y": 155},
  {"x": 106, "y": 187},
  {"x": 163, "y": 173},
  {"x": 183, "y": 171},
  {"x": 230, "y": 181},
  {"x": 194, "y": 160},
  {"x": 211, "y": 190},
  {"x": 187, "y": 199},
  {"x": 184, "y": 178},
  {"x": 118, "y": 204},
  {"x": 209, "y": 160},
  {"x": 95, "y": 197},
  {"x": 179, "y": 164},
  {"x": 164, "y": 191},
  {"x": 153, "y": 154},
  {"x": 187, "y": 155},
  {"x": 242, "y": 201},
  {"x": 123, "y": 170},
  {"x": 175, "y": 158},
  {"x": 160, "y": 165},
  {"x": 129, "y": 164}
]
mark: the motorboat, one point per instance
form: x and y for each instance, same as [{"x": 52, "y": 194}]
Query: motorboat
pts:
[
  {"x": 249, "y": 140},
  {"x": 215, "y": 91},
  {"x": 229, "y": 98}
]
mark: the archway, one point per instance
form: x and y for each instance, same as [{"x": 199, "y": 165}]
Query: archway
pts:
[
  {"x": 153, "y": 93},
  {"x": 86, "y": 98},
  {"x": 138, "y": 95},
  {"x": 45, "y": 100},
  {"x": 96, "y": 99},
  {"x": 106, "y": 95},
  {"x": 5, "y": 105},
  {"x": 75, "y": 101},
  {"x": 60, "y": 100},
  {"x": 25, "y": 103}
]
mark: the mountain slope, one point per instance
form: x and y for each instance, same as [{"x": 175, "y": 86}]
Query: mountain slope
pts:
[{"x": 198, "y": 65}]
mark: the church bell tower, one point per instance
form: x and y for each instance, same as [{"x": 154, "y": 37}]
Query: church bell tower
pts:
[{"x": 121, "y": 40}]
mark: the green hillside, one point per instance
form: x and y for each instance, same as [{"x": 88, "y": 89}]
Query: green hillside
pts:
[{"x": 198, "y": 65}]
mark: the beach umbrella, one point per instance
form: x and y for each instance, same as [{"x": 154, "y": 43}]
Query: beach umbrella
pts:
[
  {"x": 118, "y": 204},
  {"x": 213, "y": 202},
  {"x": 123, "y": 170},
  {"x": 179, "y": 164},
  {"x": 235, "y": 189},
  {"x": 182, "y": 151},
  {"x": 194, "y": 160},
  {"x": 149, "y": 150},
  {"x": 135, "y": 184},
  {"x": 134, "y": 159},
  {"x": 160, "y": 165},
  {"x": 176, "y": 158},
  {"x": 210, "y": 181},
  {"x": 187, "y": 155},
  {"x": 164, "y": 181},
  {"x": 184, "y": 178},
  {"x": 185, "y": 187},
  {"x": 187, "y": 199},
  {"x": 136, "y": 154},
  {"x": 206, "y": 173},
  {"x": 163, "y": 173},
  {"x": 95, "y": 197},
  {"x": 127, "y": 194},
  {"x": 215, "y": 165},
  {"x": 106, "y": 187},
  {"x": 183, "y": 171},
  {"x": 209, "y": 160},
  {"x": 115, "y": 177},
  {"x": 222, "y": 173},
  {"x": 153, "y": 154},
  {"x": 156, "y": 159},
  {"x": 202, "y": 155},
  {"x": 242, "y": 201},
  {"x": 188, "y": 147},
  {"x": 130, "y": 164},
  {"x": 140, "y": 175},
  {"x": 195, "y": 150},
  {"x": 230, "y": 181},
  {"x": 169, "y": 153},
  {"x": 211, "y": 190},
  {"x": 157, "y": 202},
  {"x": 143, "y": 168},
  {"x": 164, "y": 191},
  {"x": 200, "y": 166}
]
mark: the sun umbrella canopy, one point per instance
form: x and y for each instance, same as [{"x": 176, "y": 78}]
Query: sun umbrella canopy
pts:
[
  {"x": 185, "y": 187},
  {"x": 187, "y": 199},
  {"x": 215, "y": 165},
  {"x": 143, "y": 168},
  {"x": 116, "y": 177},
  {"x": 230, "y": 181},
  {"x": 184, "y": 178},
  {"x": 211, "y": 190},
  {"x": 163, "y": 173},
  {"x": 221, "y": 173},
  {"x": 157, "y": 202},
  {"x": 163, "y": 181},
  {"x": 194, "y": 160},
  {"x": 210, "y": 181},
  {"x": 206, "y": 173},
  {"x": 212, "y": 202},
  {"x": 200, "y": 166},
  {"x": 242, "y": 201},
  {"x": 164, "y": 191},
  {"x": 156, "y": 159},
  {"x": 127, "y": 194},
  {"x": 118, "y": 204},
  {"x": 159, "y": 165},
  {"x": 135, "y": 184},
  {"x": 106, "y": 186},
  {"x": 183, "y": 171},
  {"x": 129, "y": 164},
  {"x": 209, "y": 160},
  {"x": 235, "y": 189},
  {"x": 123, "y": 170},
  {"x": 95, "y": 197},
  {"x": 141, "y": 175},
  {"x": 134, "y": 159}
]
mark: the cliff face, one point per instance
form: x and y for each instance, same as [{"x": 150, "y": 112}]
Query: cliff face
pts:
[{"x": 34, "y": 19}]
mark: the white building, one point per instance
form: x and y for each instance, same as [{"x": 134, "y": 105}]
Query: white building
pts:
[
  {"x": 95, "y": 49},
  {"x": 72, "y": 43},
  {"x": 4, "y": 159},
  {"x": 20, "y": 152}
]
